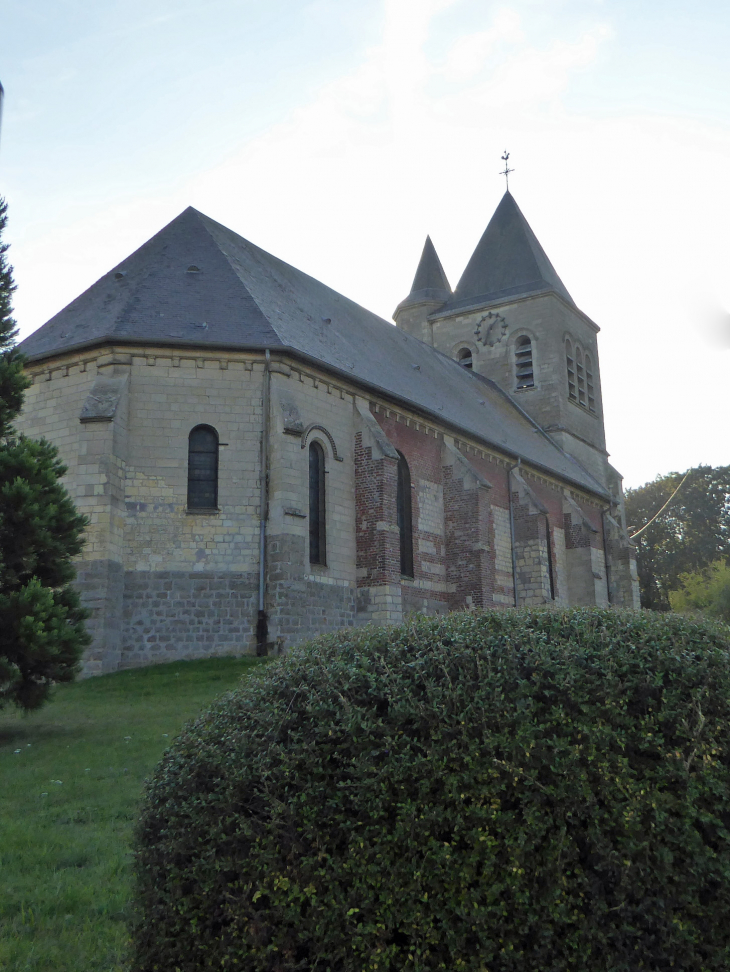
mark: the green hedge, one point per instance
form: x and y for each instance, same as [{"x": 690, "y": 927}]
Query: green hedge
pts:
[{"x": 526, "y": 791}]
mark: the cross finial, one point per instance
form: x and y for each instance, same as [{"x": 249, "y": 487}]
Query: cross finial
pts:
[{"x": 506, "y": 171}]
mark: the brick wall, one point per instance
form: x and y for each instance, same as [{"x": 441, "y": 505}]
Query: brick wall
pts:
[
  {"x": 470, "y": 548},
  {"x": 428, "y": 590}
]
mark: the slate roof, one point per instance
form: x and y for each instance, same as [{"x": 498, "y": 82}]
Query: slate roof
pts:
[
  {"x": 507, "y": 262},
  {"x": 197, "y": 284},
  {"x": 430, "y": 282}
]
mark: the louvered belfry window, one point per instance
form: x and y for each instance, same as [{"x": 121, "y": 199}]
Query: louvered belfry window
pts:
[
  {"x": 570, "y": 361},
  {"x": 203, "y": 468},
  {"x": 524, "y": 371},
  {"x": 317, "y": 518},
  {"x": 581, "y": 386},
  {"x": 404, "y": 514},
  {"x": 580, "y": 376},
  {"x": 589, "y": 384}
]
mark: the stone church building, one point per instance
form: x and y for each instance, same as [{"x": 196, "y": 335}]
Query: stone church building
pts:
[{"x": 261, "y": 459}]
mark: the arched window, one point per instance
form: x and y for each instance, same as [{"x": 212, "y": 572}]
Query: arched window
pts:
[
  {"x": 405, "y": 524},
  {"x": 580, "y": 376},
  {"x": 203, "y": 468},
  {"x": 465, "y": 358},
  {"x": 589, "y": 384},
  {"x": 570, "y": 361},
  {"x": 524, "y": 373},
  {"x": 317, "y": 519}
]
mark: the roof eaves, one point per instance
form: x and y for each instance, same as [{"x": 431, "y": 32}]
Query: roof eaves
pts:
[{"x": 114, "y": 340}]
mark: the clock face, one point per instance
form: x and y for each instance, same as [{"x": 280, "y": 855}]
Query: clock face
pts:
[{"x": 491, "y": 329}]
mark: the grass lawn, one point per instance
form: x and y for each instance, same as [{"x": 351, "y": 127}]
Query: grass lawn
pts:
[{"x": 70, "y": 782}]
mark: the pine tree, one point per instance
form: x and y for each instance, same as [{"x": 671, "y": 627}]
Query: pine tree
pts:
[{"x": 42, "y": 630}]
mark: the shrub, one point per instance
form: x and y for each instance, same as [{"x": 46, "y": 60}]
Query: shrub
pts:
[
  {"x": 707, "y": 591},
  {"x": 528, "y": 790}
]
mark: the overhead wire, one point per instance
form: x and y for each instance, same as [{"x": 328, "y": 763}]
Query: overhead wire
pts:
[{"x": 633, "y": 535}]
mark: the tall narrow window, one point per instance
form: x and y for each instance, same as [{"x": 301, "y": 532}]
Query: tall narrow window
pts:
[
  {"x": 589, "y": 384},
  {"x": 551, "y": 576},
  {"x": 203, "y": 468},
  {"x": 317, "y": 519},
  {"x": 580, "y": 376},
  {"x": 405, "y": 525},
  {"x": 465, "y": 358},
  {"x": 570, "y": 362},
  {"x": 523, "y": 363}
]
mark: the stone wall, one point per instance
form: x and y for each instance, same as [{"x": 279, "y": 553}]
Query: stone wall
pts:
[
  {"x": 166, "y": 582},
  {"x": 169, "y": 615}
]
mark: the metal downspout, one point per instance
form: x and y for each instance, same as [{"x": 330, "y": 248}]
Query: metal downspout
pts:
[
  {"x": 512, "y": 528},
  {"x": 262, "y": 623}
]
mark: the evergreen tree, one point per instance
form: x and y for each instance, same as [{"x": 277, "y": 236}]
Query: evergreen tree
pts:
[{"x": 42, "y": 630}]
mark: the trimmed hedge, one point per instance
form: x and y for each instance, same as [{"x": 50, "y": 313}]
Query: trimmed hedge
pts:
[{"x": 501, "y": 792}]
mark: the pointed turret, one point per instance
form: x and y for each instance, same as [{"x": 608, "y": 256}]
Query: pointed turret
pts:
[
  {"x": 429, "y": 292},
  {"x": 508, "y": 262},
  {"x": 430, "y": 282}
]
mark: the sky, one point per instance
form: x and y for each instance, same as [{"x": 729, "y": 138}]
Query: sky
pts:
[{"x": 337, "y": 134}]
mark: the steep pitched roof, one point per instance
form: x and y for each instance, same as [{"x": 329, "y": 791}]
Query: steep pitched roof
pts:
[
  {"x": 430, "y": 282},
  {"x": 198, "y": 284},
  {"x": 507, "y": 262},
  {"x": 430, "y": 274}
]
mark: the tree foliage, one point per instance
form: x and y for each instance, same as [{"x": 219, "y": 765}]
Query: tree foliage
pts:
[
  {"x": 706, "y": 591},
  {"x": 501, "y": 791},
  {"x": 41, "y": 620},
  {"x": 689, "y": 535}
]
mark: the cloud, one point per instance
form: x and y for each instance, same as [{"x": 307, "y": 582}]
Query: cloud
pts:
[
  {"x": 407, "y": 142},
  {"x": 468, "y": 54},
  {"x": 376, "y": 147}
]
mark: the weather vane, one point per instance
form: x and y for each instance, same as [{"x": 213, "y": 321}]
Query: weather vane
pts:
[{"x": 506, "y": 171}]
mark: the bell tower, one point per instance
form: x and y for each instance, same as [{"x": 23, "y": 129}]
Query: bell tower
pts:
[{"x": 512, "y": 320}]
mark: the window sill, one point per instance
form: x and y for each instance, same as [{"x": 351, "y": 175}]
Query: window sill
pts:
[{"x": 202, "y": 511}]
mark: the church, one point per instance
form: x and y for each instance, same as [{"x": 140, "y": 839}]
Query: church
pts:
[{"x": 262, "y": 460}]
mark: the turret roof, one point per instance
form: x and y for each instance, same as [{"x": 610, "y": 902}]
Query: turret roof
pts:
[
  {"x": 430, "y": 283},
  {"x": 199, "y": 285},
  {"x": 430, "y": 274},
  {"x": 507, "y": 262}
]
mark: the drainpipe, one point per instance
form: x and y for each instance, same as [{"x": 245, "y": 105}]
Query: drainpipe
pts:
[
  {"x": 512, "y": 527},
  {"x": 605, "y": 555},
  {"x": 262, "y": 623}
]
